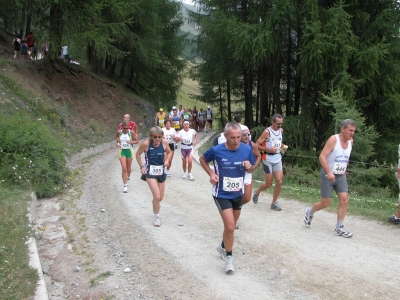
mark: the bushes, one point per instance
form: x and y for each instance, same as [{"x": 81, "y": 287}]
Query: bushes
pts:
[{"x": 31, "y": 155}]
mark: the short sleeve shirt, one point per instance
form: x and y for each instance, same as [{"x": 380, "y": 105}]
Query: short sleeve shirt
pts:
[{"x": 228, "y": 165}]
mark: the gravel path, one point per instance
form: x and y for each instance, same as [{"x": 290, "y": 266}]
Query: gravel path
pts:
[{"x": 276, "y": 256}]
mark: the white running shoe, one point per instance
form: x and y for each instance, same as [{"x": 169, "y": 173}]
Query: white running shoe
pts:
[
  {"x": 307, "y": 217},
  {"x": 343, "y": 232},
  {"x": 237, "y": 225},
  {"x": 229, "y": 268},
  {"x": 128, "y": 181},
  {"x": 221, "y": 251},
  {"x": 157, "y": 222},
  {"x": 184, "y": 176},
  {"x": 125, "y": 188},
  {"x": 190, "y": 176}
]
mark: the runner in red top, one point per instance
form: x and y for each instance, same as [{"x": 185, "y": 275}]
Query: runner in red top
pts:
[
  {"x": 132, "y": 125},
  {"x": 30, "y": 43}
]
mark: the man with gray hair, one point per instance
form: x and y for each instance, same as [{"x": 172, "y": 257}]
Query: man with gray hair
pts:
[
  {"x": 232, "y": 160},
  {"x": 334, "y": 160},
  {"x": 270, "y": 144}
]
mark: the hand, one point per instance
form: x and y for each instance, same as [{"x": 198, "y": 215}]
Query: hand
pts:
[
  {"x": 331, "y": 177},
  {"x": 118, "y": 145},
  {"x": 274, "y": 149},
  {"x": 214, "y": 178},
  {"x": 247, "y": 165},
  {"x": 166, "y": 163}
]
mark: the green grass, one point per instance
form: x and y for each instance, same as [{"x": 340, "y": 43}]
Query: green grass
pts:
[{"x": 17, "y": 279}]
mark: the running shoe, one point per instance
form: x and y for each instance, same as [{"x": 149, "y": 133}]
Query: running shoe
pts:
[
  {"x": 307, "y": 217},
  {"x": 237, "y": 225},
  {"x": 394, "y": 220},
  {"x": 229, "y": 268},
  {"x": 125, "y": 188},
  {"x": 255, "y": 198},
  {"x": 275, "y": 206},
  {"x": 157, "y": 222},
  {"x": 221, "y": 251},
  {"x": 190, "y": 176},
  {"x": 168, "y": 174},
  {"x": 184, "y": 176},
  {"x": 342, "y": 232},
  {"x": 129, "y": 181}
]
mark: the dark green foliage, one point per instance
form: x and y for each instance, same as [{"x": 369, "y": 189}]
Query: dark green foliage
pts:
[{"x": 31, "y": 156}]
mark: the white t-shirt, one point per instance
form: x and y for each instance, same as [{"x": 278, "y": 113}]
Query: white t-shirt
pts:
[
  {"x": 169, "y": 135},
  {"x": 65, "y": 50},
  {"x": 187, "y": 138}
]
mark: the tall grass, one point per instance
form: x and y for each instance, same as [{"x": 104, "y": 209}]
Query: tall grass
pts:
[{"x": 17, "y": 279}]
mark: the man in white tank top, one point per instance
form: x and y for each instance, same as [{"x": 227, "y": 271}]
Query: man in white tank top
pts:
[
  {"x": 334, "y": 160},
  {"x": 396, "y": 218},
  {"x": 269, "y": 144}
]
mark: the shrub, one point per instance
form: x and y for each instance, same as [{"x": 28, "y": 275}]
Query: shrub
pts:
[{"x": 31, "y": 155}]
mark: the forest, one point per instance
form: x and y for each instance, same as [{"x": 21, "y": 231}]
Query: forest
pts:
[{"x": 314, "y": 62}]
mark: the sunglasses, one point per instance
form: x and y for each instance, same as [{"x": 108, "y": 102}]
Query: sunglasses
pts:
[
  {"x": 246, "y": 134},
  {"x": 157, "y": 136}
]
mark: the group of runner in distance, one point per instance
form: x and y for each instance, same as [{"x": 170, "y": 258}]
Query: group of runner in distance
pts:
[{"x": 235, "y": 157}]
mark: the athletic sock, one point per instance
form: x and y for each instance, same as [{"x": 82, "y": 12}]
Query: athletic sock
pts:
[
  {"x": 229, "y": 253},
  {"x": 339, "y": 224},
  {"x": 311, "y": 213}
]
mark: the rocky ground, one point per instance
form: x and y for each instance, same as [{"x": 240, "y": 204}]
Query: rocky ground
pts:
[{"x": 99, "y": 243}]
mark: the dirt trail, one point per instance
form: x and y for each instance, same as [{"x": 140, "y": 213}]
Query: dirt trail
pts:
[{"x": 276, "y": 256}]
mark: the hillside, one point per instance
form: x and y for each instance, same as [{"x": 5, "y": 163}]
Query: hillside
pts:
[{"x": 86, "y": 106}]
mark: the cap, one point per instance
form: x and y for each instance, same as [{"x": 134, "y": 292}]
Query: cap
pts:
[
  {"x": 208, "y": 106},
  {"x": 173, "y": 107},
  {"x": 161, "y": 109}
]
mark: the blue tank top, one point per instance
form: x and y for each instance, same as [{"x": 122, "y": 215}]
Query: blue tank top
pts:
[{"x": 154, "y": 159}]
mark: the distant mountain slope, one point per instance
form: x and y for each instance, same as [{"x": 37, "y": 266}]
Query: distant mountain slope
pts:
[{"x": 186, "y": 27}]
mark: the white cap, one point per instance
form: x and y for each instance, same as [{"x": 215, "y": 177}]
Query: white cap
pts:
[
  {"x": 173, "y": 107},
  {"x": 209, "y": 106}
]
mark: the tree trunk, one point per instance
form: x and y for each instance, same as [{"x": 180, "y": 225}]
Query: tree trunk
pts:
[
  {"x": 221, "y": 108},
  {"x": 56, "y": 25},
  {"x": 228, "y": 98},
  {"x": 248, "y": 95}
]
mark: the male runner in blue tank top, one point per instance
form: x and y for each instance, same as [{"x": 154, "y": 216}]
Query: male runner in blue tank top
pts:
[
  {"x": 334, "y": 160},
  {"x": 231, "y": 161}
]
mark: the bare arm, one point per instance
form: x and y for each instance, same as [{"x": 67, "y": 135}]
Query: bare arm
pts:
[
  {"x": 117, "y": 139},
  {"x": 195, "y": 139},
  {"x": 330, "y": 144},
  {"x": 261, "y": 139},
  {"x": 168, "y": 153},
  {"x": 257, "y": 155},
  {"x": 142, "y": 148},
  {"x": 135, "y": 138},
  {"x": 213, "y": 177}
]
